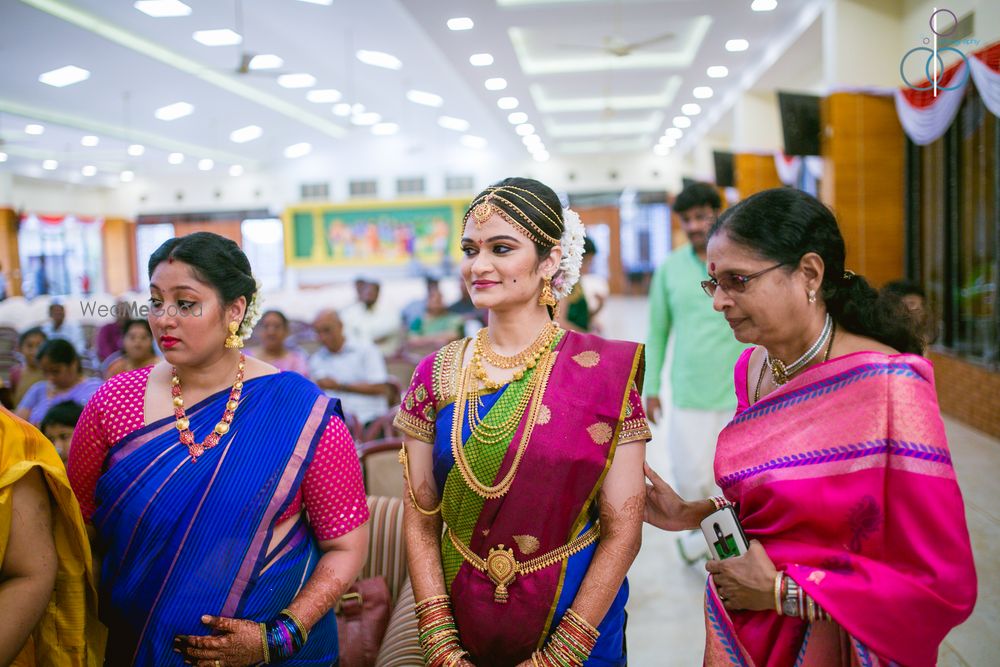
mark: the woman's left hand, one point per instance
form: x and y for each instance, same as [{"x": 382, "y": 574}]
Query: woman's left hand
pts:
[
  {"x": 745, "y": 582},
  {"x": 235, "y": 643}
]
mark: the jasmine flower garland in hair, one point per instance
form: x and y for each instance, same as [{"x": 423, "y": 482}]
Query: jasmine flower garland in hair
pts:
[
  {"x": 252, "y": 315},
  {"x": 572, "y": 239}
]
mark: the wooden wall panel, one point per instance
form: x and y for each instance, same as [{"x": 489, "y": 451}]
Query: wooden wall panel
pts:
[
  {"x": 119, "y": 256},
  {"x": 864, "y": 151},
  {"x": 10, "y": 258},
  {"x": 956, "y": 381},
  {"x": 753, "y": 173},
  {"x": 608, "y": 215}
]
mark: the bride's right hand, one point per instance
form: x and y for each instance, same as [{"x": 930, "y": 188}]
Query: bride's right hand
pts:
[{"x": 664, "y": 508}]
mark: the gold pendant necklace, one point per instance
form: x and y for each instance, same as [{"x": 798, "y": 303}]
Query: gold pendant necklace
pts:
[{"x": 196, "y": 449}]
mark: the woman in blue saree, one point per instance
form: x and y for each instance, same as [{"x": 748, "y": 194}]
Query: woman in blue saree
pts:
[{"x": 226, "y": 497}]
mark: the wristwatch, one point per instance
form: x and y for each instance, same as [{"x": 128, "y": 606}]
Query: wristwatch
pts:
[{"x": 790, "y": 603}]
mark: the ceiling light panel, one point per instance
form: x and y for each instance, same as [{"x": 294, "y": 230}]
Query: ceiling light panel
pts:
[
  {"x": 218, "y": 37},
  {"x": 343, "y": 109},
  {"x": 64, "y": 76},
  {"x": 531, "y": 140},
  {"x": 324, "y": 95},
  {"x": 461, "y": 23},
  {"x": 50, "y": 165},
  {"x": 424, "y": 98},
  {"x": 89, "y": 170},
  {"x": 517, "y": 118},
  {"x": 702, "y": 92},
  {"x": 763, "y": 5},
  {"x": 174, "y": 111},
  {"x": 496, "y": 83},
  {"x": 385, "y": 129},
  {"x": 34, "y": 129},
  {"x": 298, "y": 150},
  {"x": 379, "y": 59},
  {"x": 674, "y": 133},
  {"x": 245, "y": 134},
  {"x": 236, "y": 170},
  {"x": 691, "y": 109},
  {"x": 737, "y": 45},
  {"x": 508, "y": 103},
  {"x": 175, "y": 158},
  {"x": 135, "y": 150},
  {"x": 127, "y": 176},
  {"x": 481, "y": 59},
  {"x": 525, "y": 129},
  {"x": 451, "y": 123},
  {"x": 298, "y": 80},
  {"x": 3, "y": 157},
  {"x": 325, "y": 3},
  {"x": 717, "y": 72},
  {"x": 162, "y": 9},
  {"x": 89, "y": 140},
  {"x": 367, "y": 118},
  {"x": 472, "y": 141},
  {"x": 682, "y": 122},
  {"x": 265, "y": 61},
  {"x": 206, "y": 164}
]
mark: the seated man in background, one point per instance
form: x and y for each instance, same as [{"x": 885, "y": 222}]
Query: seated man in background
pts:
[
  {"x": 435, "y": 325},
  {"x": 58, "y": 327},
  {"x": 58, "y": 424},
  {"x": 368, "y": 320},
  {"x": 352, "y": 370}
]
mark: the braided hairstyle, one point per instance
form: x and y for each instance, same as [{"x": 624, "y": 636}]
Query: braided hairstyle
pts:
[
  {"x": 215, "y": 260},
  {"x": 545, "y": 194},
  {"x": 784, "y": 224}
]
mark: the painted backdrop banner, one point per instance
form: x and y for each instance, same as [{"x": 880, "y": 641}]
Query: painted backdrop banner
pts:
[{"x": 382, "y": 233}]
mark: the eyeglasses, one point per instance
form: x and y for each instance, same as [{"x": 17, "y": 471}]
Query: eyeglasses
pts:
[{"x": 733, "y": 282}]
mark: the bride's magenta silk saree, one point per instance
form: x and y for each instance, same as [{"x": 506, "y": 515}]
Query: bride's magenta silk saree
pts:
[{"x": 845, "y": 477}]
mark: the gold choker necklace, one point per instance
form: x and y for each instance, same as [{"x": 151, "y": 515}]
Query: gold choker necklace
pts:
[{"x": 524, "y": 360}]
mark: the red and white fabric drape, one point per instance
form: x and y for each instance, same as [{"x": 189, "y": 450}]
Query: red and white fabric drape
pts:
[{"x": 926, "y": 117}]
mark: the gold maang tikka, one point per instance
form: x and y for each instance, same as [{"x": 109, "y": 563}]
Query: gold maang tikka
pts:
[{"x": 483, "y": 211}]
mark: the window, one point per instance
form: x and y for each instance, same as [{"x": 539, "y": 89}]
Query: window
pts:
[
  {"x": 314, "y": 192},
  {"x": 953, "y": 225},
  {"x": 149, "y": 237},
  {"x": 363, "y": 188},
  {"x": 264, "y": 245},
  {"x": 459, "y": 185},
  {"x": 410, "y": 186}
]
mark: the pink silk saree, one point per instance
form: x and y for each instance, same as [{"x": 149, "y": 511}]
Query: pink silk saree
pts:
[{"x": 845, "y": 477}]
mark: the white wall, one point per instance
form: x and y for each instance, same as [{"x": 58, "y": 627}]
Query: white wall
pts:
[{"x": 916, "y": 18}]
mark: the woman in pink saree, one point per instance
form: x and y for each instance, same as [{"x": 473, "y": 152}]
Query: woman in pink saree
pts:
[{"x": 836, "y": 460}]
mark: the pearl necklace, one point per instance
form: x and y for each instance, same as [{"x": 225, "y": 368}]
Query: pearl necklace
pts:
[
  {"x": 780, "y": 373},
  {"x": 183, "y": 425}
]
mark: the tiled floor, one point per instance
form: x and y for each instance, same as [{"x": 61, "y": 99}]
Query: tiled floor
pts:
[{"x": 666, "y": 625}]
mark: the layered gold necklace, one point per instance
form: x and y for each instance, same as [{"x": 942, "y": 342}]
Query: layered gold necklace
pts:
[{"x": 537, "y": 356}]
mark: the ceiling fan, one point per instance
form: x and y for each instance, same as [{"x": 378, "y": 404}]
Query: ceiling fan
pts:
[{"x": 617, "y": 46}]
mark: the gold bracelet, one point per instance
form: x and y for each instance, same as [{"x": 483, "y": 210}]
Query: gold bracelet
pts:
[
  {"x": 263, "y": 640},
  {"x": 409, "y": 487},
  {"x": 778, "y": 578}
]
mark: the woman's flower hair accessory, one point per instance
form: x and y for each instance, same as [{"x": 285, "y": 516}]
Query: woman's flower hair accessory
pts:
[
  {"x": 252, "y": 314},
  {"x": 571, "y": 241}
]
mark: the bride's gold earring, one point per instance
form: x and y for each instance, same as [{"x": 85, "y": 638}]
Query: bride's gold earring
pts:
[
  {"x": 234, "y": 342},
  {"x": 546, "y": 298}
]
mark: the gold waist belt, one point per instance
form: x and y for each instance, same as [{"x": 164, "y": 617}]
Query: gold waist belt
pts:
[{"x": 502, "y": 568}]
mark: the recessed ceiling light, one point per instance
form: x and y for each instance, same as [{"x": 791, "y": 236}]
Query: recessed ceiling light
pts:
[
  {"x": 451, "y": 123},
  {"x": 3, "y": 157},
  {"x": 50, "y": 165},
  {"x": 674, "y": 133},
  {"x": 266, "y": 61},
  {"x": 34, "y": 128},
  {"x": 461, "y": 23},
  {"x": 89, "y": 170},
  {"x": 324, "y": 96},
  {"x": 357, "y": 108},
  {"x": 691, "y": 109},
  {"x": 298, "y": 150},
  {"x": 668, "y": 141},
  {"x": 481, "y": 59},
  {"x": 175, "y": 158},
  {"x": 342, "y": 109},
  {"x": 661, "y": 150},
  {"x": 496, "y": 83},
  {"x": 127, "y": 176},
  {"x": 236, "y": 170},
  {"x": 531, "y": 140},
  {"x": 737, "y": 45},
  {"x": 525, "y": 129},
  {"x": 473, "y": 141},
  {"x": 517, "y": 118},
  {"x": 162, "y": 9},
  {"x": 206, "y": 164},
  {"x": 682, "y": 122},
  {"x": 218, "y": 37},
  {"x": 385, "y": 129},
  {"x": 541, "y": 156},
  {"x": 379, "y": 59},
  {"x": 425, "y": 98},
  {"x": 325, "y": 3},
  {"x": 507, "y": 103},
  {"x": 245, "y": 134},
  {"x": 763, "y": 5},
  {"x": 174, "y": 111},
  {"x": 299, "y": 80},
  {"x": 135, "y": 150},
  {"x": 537, "y": 148},
  {"x": 64, "y": 76},
  {"x": 89, "y": 140},
  {"x": 366, "y": 118},
  {"x": 702, "y": 92},
  {"x": 717, "y": 71}
]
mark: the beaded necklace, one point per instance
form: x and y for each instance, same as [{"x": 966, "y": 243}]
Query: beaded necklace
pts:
[{"x": 183, "y": 424}]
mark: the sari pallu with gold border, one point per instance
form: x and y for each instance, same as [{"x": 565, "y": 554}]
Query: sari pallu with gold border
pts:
[
  {"x": 551, "y": 501},
  {"x": 845, "y": 477},
  {"x": 182, "y": 539}
]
